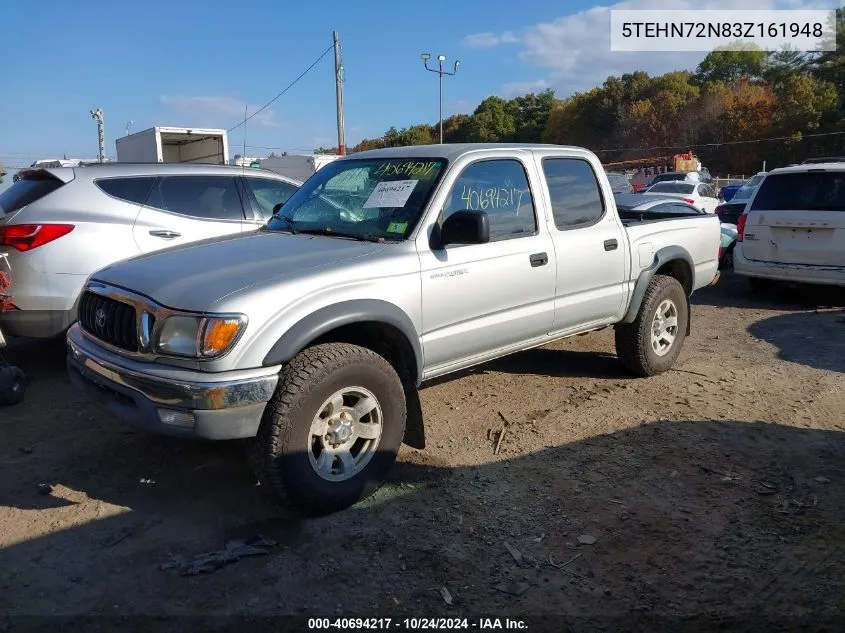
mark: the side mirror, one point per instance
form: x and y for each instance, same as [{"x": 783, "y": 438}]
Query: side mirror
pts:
[
  {"x": 278, "y": 207},
  {"x": 465, "y": 227}
]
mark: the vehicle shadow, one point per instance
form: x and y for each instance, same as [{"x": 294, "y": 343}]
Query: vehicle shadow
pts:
[
  {"x": 789, "y": 332},
  {"x": 667, "y": 520},
  {"x": 546, "y": 361},
  {"x": 734, "y": 291}
]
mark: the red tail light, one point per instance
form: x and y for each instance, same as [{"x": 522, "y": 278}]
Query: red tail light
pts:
[
  {"x": 25, "y": 237},
  {"x": 689, "y": 200},
  {"x": 740, "y": 226}
]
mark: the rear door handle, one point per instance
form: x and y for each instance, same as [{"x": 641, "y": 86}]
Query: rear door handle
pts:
[
  {"x": 538, "y": 259},
  {"x": 610, "y": 245},
  {"x": 165, "y": 234}
]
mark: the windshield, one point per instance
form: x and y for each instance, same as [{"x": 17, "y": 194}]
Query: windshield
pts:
[
  {"x": 375, "y": 199},
  {"x": 802, "y": 191}
]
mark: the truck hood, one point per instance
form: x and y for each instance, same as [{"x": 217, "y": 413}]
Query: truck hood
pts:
[{"x": 194, "y": 276}]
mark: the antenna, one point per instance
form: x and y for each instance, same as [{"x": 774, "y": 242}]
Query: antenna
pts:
[{"x": 243, "y": 156}]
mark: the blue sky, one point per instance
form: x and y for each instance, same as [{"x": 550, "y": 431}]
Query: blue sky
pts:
[{"x": 199, "y": 63}]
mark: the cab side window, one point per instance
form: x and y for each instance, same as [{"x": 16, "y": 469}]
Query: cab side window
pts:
[
  {"x": 499, "y": 187},
  {"x": 574, "y": 192}
]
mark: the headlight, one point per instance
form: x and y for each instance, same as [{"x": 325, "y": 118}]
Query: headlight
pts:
[{"x": 199, "y": 337}]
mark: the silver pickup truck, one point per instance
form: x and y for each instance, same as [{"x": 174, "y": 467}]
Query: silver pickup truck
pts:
[{"x": 386, "y": 269}]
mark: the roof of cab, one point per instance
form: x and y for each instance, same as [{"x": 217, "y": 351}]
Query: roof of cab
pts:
[
  {"x": 105, "y": 170},
  {"x": 452, "y": 151}
]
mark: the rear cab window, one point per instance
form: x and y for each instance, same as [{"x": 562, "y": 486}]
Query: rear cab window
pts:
[
  {"x": 673, "y": 187},
  {"x": 802, "y": 191},
  {"x": 574, "y": 192},
  {"x": 29, "y": 188}
]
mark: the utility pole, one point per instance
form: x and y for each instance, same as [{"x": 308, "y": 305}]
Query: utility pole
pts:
[
  {"x": 338, "y": 78},
  {"x": 440, "y": 58},
  {"x": 97, "y": 115}
]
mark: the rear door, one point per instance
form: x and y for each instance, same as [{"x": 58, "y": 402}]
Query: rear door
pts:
[
  {"x": 798, "y": 218},
  {"x": 187, "y": 208},
  {"x": 589, "y": 242}
]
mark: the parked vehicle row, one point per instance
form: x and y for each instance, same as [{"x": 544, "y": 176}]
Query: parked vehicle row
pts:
[
  {"x": 61, "y": 224},
  {"x": 385, "y": 269}
]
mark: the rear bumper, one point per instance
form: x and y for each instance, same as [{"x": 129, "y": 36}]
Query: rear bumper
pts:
[
  {"x": 170, "y": 401},
  {"x": 797, "y": 273},
  {"x": 37, "y": 323}
]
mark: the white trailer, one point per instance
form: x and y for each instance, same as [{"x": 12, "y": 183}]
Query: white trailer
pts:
[
  {"x": 174, "y": 145},
  {"x": 297, "y": 166}
]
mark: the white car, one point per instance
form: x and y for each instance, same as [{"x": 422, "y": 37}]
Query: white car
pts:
[
  {"x": 793, "y": 228},
  {"x": 701, "y": 195},
  {"x": 61, "y": 224}
]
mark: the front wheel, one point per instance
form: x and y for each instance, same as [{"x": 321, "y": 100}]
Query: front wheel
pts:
[
  {"x": 651, "y": 344},
  {"x": 332, "y": 430}
]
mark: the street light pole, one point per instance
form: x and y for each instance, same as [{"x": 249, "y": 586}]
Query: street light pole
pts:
[{"x": 440, "y": 58}]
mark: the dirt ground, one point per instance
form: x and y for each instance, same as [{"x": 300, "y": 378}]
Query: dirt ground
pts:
[{"x": 713, "y": 492}]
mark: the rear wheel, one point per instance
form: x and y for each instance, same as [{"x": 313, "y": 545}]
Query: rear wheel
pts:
[
  {"x": 651, "y": 344},
  {"x": 333, "y": 428}
]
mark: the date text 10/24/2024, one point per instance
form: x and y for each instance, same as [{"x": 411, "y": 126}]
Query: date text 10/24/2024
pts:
[{"x": 416, "y": 624}]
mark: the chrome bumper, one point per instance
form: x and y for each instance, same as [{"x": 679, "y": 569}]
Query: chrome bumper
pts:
[{"x": 191, "y": 395}]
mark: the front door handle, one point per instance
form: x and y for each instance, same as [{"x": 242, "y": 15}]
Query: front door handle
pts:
[
  {"x": 165, "y": 234},
  {"x": 538, "y": 259},
  {"x": 610, "y": 245}
]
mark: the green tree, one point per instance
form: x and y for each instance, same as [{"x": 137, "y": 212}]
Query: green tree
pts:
[
  {"x": 530, "y": 113},
  {"x": 780, "y": 66},
  {"x": 492, "y": 122},
  {"x": 731, "y": 63}
]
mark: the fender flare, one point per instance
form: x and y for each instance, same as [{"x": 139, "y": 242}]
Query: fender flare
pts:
[
  {"x": 318, "y": 323},
  {"x": 661, "y": 257}
]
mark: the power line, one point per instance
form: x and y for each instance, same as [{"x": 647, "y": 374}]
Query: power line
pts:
[
  {"x": 289, "y": 86},
  {"x": 695, "y": 145}
]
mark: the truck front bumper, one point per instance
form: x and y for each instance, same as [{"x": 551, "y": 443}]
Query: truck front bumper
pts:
[{"x": 168, "y": 400}]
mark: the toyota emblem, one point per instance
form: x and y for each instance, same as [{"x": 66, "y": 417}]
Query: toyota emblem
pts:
[{"x": 100, "y": 318}]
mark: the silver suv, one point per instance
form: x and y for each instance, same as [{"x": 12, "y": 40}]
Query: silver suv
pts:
[{"x": 61, "y": 224}]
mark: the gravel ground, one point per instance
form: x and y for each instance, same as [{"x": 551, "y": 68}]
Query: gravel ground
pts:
[{"x": 713, "y": 491}]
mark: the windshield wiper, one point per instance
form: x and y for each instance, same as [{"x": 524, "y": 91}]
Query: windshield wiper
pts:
[
  {"x": 286, "y": 219},
  {"x": 328, "y": 232}
]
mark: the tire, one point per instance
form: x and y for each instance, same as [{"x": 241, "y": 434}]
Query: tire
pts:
[
  {"x": 286, "y": 453},
  {"x": 634, "y": 342},
  {"x": 12, "y": 385}
]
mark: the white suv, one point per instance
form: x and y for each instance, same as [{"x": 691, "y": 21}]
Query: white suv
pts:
[
  {"x": 793, "y": 228},
  {"x": 61, "y": 224}
]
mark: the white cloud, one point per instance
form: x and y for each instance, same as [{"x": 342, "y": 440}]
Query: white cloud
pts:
[
  {"x": 575, "y": 49},
  {"x": 517, "y": 88},
  {"x": 490, "y": 40},
  {"x": 217, "y": 108}
]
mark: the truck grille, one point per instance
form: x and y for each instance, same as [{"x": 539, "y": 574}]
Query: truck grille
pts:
[{"x": 109, "y": 320}]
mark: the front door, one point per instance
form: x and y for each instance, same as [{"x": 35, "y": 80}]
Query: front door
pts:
[
  {"x": 480, "y": 298},
  {"x": 182, "y": 209}
]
